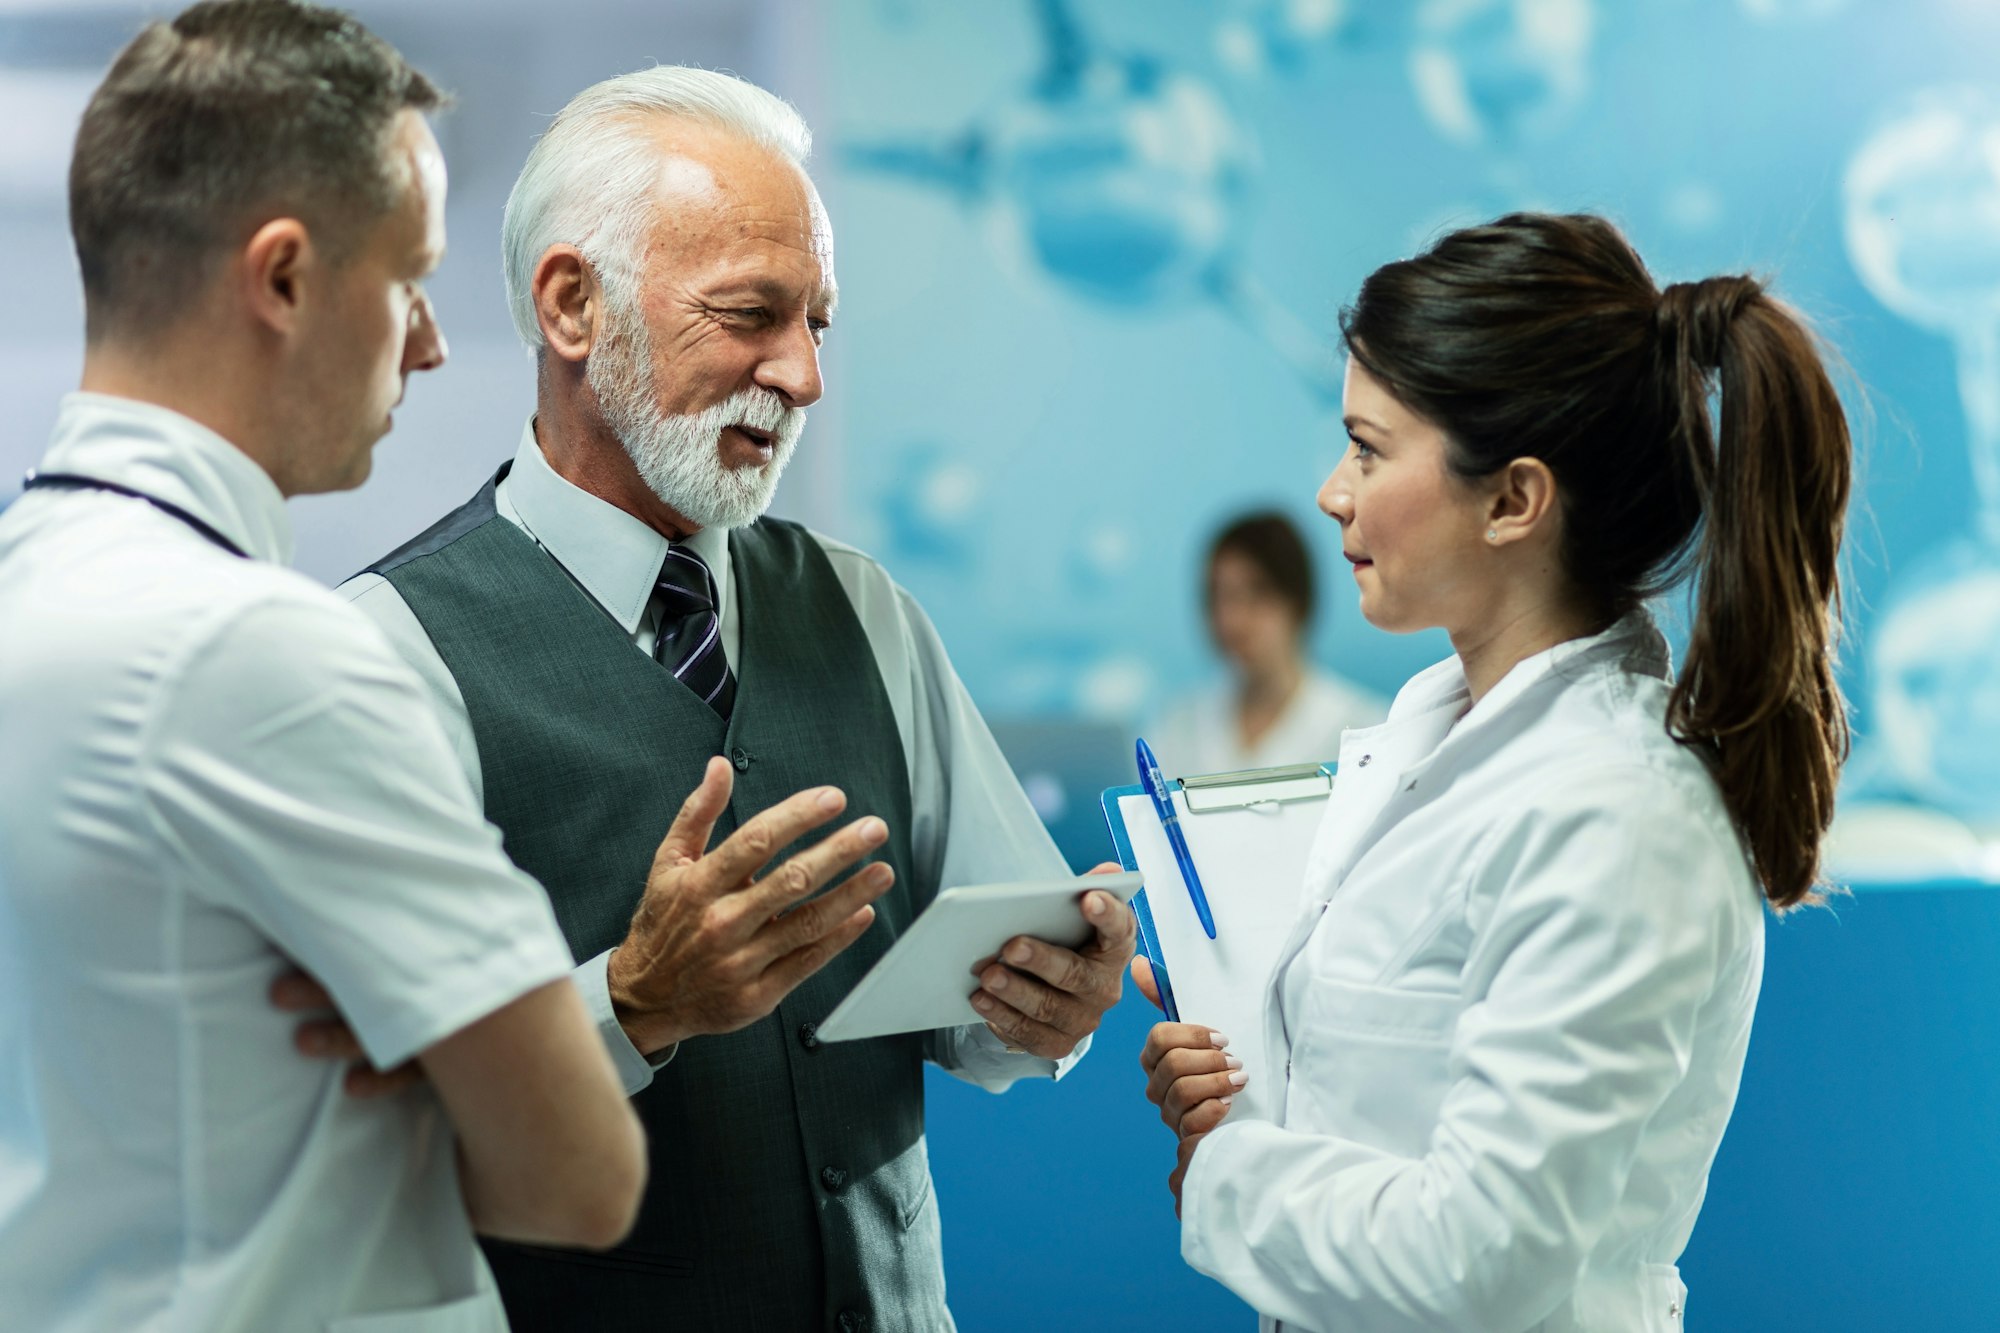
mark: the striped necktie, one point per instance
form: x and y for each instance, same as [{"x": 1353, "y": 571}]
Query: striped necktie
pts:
[{"x": 690, "y": 642}]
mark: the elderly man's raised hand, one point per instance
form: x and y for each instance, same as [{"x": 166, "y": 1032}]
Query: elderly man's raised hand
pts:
[{"x": 712, "y": 947}]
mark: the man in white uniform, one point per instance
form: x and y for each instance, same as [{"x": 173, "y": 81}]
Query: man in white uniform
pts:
[{"x": 211, "y": 769}]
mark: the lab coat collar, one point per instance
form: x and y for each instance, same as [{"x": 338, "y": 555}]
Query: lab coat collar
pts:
[
  {"x": 1633, "y": 644},
  {"x": 614, "y": 556},
  {"x": 159, "y": 452},
  {"x": 1386, "y": 769}
]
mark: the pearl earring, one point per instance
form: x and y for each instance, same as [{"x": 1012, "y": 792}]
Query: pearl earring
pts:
[{"x": 1492, "y": 534}]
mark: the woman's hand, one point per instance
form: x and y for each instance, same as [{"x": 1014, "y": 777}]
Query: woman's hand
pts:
[
  {"x": 1192, "y": 1079},
  {"x": 1189, "y": 1076},
  {"x": 1179, "y": 1177},
  {"x": 1142, "y": 977}
]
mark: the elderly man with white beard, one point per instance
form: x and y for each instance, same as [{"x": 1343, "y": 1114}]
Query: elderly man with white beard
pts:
[{"x": 611, "y": 624}]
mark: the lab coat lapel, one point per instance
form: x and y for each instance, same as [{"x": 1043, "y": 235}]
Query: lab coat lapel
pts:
[{"x": 1371, "y": 771}]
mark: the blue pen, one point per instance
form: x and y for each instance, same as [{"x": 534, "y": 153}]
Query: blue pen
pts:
[{"x": 1156, "y": 787}]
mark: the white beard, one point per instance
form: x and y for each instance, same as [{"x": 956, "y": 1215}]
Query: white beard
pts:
[{"x": 680, "y": 457}]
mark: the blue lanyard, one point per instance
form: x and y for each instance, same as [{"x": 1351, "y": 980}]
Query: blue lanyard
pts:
[{"x": 68, "y": 481}]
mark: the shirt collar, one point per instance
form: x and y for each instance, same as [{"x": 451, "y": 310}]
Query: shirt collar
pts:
[
  {"x": 614, "y": 556},
  {"x": 159, "y": 452}
]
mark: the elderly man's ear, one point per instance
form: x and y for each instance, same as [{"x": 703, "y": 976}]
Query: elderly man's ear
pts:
[{"x": 569, "y": 303}]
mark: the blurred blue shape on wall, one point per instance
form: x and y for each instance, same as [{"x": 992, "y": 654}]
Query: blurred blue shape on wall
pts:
[
  {"x": 1922, "y": 201},
  {"x": 1123, "y": 179},
  {"x": 1259, "y": 37},
  {"x": 932, "y": 509},
  {"x": 1923, "y": 227},
  {"x": 1497, "y": 73}
]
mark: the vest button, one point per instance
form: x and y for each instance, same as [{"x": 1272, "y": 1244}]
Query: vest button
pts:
[
  {"x": 852, "y": 1321},
  {"x": 833, "y": 1178},
  {"x": 741, "y": 758},
  {"x": 809, "y": 1036}
]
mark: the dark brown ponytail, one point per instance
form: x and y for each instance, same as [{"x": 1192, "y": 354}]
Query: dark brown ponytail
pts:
[
  {"x": 1757, "y": 686},
  {"x": 1541, "y": 336}
]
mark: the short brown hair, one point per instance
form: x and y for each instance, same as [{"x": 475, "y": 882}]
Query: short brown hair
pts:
[
  {"x": 1274, "y": 544},
  {"x": 206, "y": 126}
]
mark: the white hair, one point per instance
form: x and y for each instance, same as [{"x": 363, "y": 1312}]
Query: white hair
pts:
[{"x": 591, "y": 180}]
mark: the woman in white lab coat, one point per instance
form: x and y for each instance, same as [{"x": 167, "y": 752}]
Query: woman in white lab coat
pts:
[
  {"x": 1277, "y": 707},
  {"x": 1510, "y": 1022}
]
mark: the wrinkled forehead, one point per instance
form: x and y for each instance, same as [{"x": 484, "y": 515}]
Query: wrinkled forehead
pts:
[{"x": 718, "y": 193}]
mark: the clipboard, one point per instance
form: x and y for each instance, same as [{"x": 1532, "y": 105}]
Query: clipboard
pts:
[{"x": 1249, "y": 833}]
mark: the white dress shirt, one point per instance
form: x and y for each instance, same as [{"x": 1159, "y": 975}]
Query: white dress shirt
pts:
[
  {"x": 211, "y": 767},
  {"x": 1512, "y": 1015},
  {"x": 1202, "y": 733},
  {"x": 972, "y": 824}
]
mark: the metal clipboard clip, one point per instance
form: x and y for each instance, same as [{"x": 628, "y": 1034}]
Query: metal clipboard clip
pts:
[{"x": 1255, "y": 786}]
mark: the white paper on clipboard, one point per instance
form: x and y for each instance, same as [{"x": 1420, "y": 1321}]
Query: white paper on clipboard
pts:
[{"x": 1251, "y": 857}]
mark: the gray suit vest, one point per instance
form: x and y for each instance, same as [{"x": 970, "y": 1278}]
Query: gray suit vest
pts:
[{"x": 790, "y": 1188}]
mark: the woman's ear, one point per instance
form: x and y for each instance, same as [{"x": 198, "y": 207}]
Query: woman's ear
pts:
[{"x": 1525, "y": 501}]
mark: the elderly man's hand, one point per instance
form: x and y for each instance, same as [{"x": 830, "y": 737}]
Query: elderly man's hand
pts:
[
  {"x": 712, "y": 947},
  {"x": 326, "y": 1036},
  {"x": 1040, "y": 998}
]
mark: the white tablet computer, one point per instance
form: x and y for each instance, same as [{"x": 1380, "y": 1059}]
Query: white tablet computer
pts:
[{"x": 926, "y": 980}]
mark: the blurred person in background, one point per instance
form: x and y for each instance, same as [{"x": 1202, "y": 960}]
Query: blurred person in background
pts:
[
  {"x": 611, "y": 612},
  {"x": 1277, "y": 707},
  {"x": 1510, "y": 1023}
]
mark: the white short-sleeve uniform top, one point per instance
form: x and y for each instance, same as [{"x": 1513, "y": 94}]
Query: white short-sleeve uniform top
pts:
[
  {"x": 1514, "y": 1012},
  {"x": 210, "y": 767}
]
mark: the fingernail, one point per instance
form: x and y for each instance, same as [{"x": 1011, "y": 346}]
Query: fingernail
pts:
[
  {"x": 1018, "y": 951},
  {"x": 982, "y": 1003},
  {"x": 1238, "y": 1078},
  {"x": 831, "y": 799},
  {"x": 1216, "y": 1038},
  {"x": 314, "y": 1041},
  {"x": 999, "y": 982},
  {"x": 1231, "y": 1062},
  {"x": 1093, "y": 905},
  {"x": 1226, "y": 1100},
  {"x": 872, "y": 829}
]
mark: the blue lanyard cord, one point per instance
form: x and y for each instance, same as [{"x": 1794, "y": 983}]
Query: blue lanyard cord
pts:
[{"x": 66, "y": 481}]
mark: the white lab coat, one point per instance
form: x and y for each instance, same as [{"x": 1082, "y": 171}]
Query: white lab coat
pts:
[{"x": 1513, "y": 1017}]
